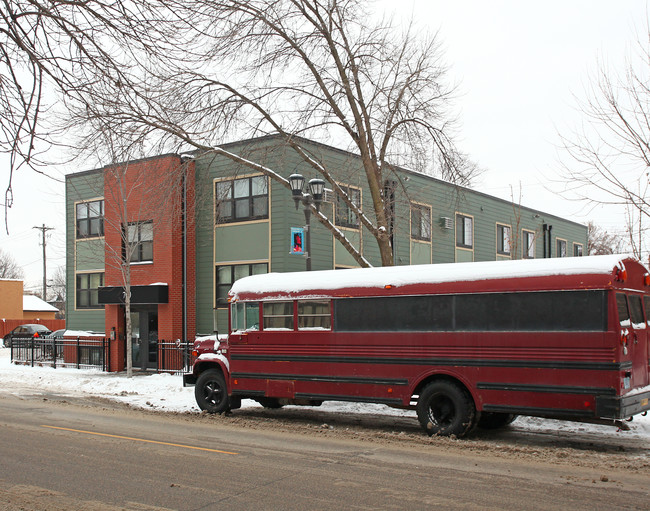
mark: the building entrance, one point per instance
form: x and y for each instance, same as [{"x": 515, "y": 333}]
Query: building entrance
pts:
[{"x": 144, "y": 337}]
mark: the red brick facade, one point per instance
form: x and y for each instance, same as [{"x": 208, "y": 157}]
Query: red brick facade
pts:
[{"x": 151, "y": 190}]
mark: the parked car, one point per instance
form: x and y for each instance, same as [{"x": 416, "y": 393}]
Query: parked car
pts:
[
  {"x": 57, "y": 334},
  {"x": 25, "y": 332}
]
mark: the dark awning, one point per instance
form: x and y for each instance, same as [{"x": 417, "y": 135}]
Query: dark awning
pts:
[{"x": 156, "y": 293}]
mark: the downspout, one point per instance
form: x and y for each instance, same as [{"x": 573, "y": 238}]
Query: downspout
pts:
[
  {"x": 185, "y": 163},
  {"x": 548, "y": 245}
]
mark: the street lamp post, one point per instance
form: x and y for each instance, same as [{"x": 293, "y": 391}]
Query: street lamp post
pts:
[{"x": 313, "y": 196}]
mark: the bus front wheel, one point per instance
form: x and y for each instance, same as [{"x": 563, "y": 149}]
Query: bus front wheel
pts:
[
  {"x": 210, "y": 392},
  {"x": 446, "y": 409}
]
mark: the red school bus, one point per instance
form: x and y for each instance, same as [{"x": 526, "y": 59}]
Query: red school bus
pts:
[{"x": 465, "y": 345}]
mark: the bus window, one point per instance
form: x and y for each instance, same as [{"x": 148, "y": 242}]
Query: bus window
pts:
[
  {"x": 314, "y": 314},
  {"x": 245, "y": 316},
  {"x": 623, "y": 312},
  {"x": 278, "y": 315},
  {"x": 636, "y": 311},
  {"x": 646, "y": 307}
]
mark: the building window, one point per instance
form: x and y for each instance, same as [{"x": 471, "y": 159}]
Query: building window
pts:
[
  {"x": 560, "y": 248},
  {"x": 577, "y": 250},
  {"x": 90, "y": 219},
  {"x": 228, "y": 274},
  {"x": 139, "y": 238},
  {"x": 239, "y": 200},
  {"x": 345, "y": 216},
  {"x": 504, "y": 237},
  {"x": 529, "y": 244},
  {"x": 88, "y": 285},
  {"x": 420, "y": 222},
  {"x": 464, "y": 231}
]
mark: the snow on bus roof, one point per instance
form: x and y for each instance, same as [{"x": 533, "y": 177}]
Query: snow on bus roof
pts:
[{"x": 423, "y": 274}]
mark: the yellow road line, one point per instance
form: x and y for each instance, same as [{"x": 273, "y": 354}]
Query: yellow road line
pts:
[{"x": 139, "y": 439}]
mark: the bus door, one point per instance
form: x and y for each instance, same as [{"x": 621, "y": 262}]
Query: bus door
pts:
[{"x": 637, "y": 337}]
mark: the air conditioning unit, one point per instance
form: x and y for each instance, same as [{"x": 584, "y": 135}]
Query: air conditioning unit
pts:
[
  {"x": 446, "y": 222},
  {"x": 329, "y": 196}
]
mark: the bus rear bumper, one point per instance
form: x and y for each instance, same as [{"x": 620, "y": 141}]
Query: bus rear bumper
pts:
[{"x": 622, "y": 407}]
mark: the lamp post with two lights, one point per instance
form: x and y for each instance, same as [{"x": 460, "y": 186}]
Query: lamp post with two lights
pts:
[{"x": 313, "y": 196}]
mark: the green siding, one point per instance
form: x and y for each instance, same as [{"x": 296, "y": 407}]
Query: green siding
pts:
[
  {"x": 420, "y": 253},
  {"x": 83, "y": 255},
  {"x": 343, "y": 257},
  {"x": 249, "y": 242},
  {"x": 90, "y": 254}
]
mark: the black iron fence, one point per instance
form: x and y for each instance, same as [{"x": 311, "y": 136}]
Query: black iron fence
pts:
[
  {"x": 80, "y": 353},
  {"x": 175, "y": 357},
  {"x": 94, "y": 353}
]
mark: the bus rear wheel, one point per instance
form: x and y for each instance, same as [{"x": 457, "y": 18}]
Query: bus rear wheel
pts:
[
  {"x": 211, "y": 393},
  {"x": 446, "y": 409}
]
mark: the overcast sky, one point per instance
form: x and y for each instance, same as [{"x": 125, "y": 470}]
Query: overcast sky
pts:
[{"x": 519, "y": 66}]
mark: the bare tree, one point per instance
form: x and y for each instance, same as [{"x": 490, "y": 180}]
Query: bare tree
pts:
[
  {"x": 323, "y": 69},
  {"x": 9, "y": 268},
  {"x": 58, "y": 284},
  {"x": 60, "y": 49},
  {"x": 601, "y": 242},
  {"x": 608, "y": 159}
]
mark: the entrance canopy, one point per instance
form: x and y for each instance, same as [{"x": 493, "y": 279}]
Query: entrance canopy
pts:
[{"x": 155, "y": 293}]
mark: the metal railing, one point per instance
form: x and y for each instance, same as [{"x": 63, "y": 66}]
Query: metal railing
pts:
[
  {"x": 80, "y": 353},
  {"x": 94, "y": 353},
  {"x": 175, "y": 357}
]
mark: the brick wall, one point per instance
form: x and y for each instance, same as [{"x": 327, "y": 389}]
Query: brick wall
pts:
[{"x": 153, "y": 192}]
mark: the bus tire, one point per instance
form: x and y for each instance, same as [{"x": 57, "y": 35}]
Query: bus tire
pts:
[
  {"x": 211, "y": 393},
  {"x": 495, "y": 420},
  {"x": 446, "y": 409},
  {"x": 269, "y": 402}
]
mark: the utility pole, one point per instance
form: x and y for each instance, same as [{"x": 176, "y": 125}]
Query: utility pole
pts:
[{"x": 43, "y": 230}]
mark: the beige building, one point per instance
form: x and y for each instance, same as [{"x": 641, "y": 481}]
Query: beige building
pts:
[
  {"x": 15, "y": 305},
  {"x": 11, "y": 299}
]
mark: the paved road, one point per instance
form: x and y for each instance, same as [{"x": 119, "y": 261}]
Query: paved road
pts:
[{"x": 57, "y": 456}]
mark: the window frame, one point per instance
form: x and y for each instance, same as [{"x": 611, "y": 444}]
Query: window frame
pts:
[
  {"x": 423, "y": 211},
  {"x": 558, "y": 243},
  {"x": 327, "y": 326},
  {"x": 90, "y": 292},
  {"x": 88, "y": 219},
  {"x": 463, "y": 218},
  {"x": 578, "y": 247},
  {"x": 137, "y": 248},
  {"x": 623, "y": 309},
  {"x": 343, "y": 213},
  {"x": 233, "y": 201},
  {"x": 222, "y": 303},
  {"x": 528, "y": 248},
  {"x": 501, "y": 239},
  {"x": 239, "y": 315},
  {"x": 289, "y": 316}
]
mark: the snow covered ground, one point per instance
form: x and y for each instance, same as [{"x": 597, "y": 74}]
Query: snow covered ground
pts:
[{"x": 165, "y": 392}]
